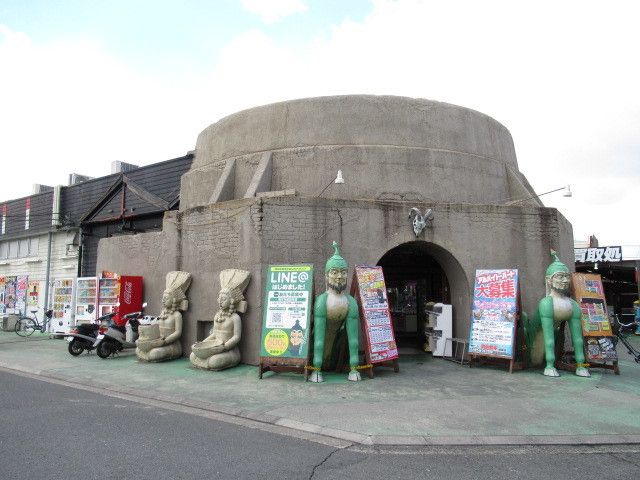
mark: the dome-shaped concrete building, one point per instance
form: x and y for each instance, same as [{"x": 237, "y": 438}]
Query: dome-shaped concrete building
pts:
[{"x": 260, "y": 191}]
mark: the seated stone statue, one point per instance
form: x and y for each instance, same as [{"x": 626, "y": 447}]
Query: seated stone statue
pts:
[
  {"x": 161, "y": 340},
  {"x": 220, "y": 349}
]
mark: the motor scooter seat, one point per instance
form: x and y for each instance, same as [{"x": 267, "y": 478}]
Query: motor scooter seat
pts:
[{"x": 88, "y": 329}]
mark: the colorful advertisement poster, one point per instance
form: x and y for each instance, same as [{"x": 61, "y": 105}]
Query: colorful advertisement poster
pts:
[
  {"x": 596, "y": 329},
  {"x": 374, "y": 303},
  {"x": 589, "y": 294},
  {"x": 600, "y": 349},
  {"x": 2, "y": 305},
  {"x": 33, "y": 295},
  {"x": 21, "y": 293},
  {"x": 10, "y": 294},
  {"x": 493, "y": 313},
  {"x": 287, "y": 311}
]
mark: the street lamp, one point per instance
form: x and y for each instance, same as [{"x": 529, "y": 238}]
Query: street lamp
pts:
[
  {"x": 339, "y": 179},
  {"x": 566, "y": 193}
]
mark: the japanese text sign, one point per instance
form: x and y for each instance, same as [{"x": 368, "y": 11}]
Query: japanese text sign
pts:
[
  {"x": 372, "y": 293},
  {"x": 599, "y": 254},
  {"x": 287, "y": 311},
  {"x": 494, "y": 312}
]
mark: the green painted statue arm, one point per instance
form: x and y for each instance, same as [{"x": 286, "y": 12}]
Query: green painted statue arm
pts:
[
  {"x": 353, "y": 330},
  {"x": 319, "y": 329},
  {"x": 545, "y": 309},
  {"x": 575, "y": 324}
]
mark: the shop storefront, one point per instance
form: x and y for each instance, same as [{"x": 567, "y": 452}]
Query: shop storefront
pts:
[
  {"x": 47, "y": 240},
  {"x": 252, "y": 200},
  {"x": 619, "y": 267},
  {"x": 414, "y": 280}
]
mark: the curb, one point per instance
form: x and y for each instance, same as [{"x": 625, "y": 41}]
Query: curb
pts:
[{"x": 350, "y": 437}]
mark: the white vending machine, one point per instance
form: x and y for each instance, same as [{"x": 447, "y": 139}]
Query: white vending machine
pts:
[
  {"x": 440, "y": 328},
  {"x": 86, "y": 299},
  {"x": 62, "y": 304},
  {"x": 108, "y": 291}
]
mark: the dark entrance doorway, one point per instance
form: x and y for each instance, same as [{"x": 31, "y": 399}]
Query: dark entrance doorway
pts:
[{"x": 413, "y": 279}]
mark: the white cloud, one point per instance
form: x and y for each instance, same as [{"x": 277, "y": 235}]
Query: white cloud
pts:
[
  {"x": 272, "y": 11},
  {"x": 561, "y": 76},
  {"x": 71, "y": 107}
]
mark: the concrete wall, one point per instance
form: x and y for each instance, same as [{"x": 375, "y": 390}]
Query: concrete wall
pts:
[
  {"x": 444, "y": 153},
  {"x": 463, "y": 238},
  {"x": 253, "y": 233},
  {"x": 150, "y": 255}
]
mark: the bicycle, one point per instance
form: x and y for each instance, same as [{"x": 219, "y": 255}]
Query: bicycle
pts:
[
  {"x": 27, "y": 325},
  {"x": 621, "y": 331}
]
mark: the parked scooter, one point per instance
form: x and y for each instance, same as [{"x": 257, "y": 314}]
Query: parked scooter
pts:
[
  {"x": 114, "y": 338},
  {"x": 82, "y": 337}
]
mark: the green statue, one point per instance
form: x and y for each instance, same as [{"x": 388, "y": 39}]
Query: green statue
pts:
[
  {"x": 334, "y": 312},
  {"x": 555, "y": 308}
]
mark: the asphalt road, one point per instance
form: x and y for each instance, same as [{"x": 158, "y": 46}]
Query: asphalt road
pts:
[{"x": 52, "y": 431}]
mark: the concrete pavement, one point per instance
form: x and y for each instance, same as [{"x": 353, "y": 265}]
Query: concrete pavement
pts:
[{"x": 430, "y": 402}]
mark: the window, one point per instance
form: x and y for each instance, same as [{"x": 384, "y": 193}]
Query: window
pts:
[
  {"x": 13, "y": 249},
  {"x": 27, "y": 247},
  {"x": 33, "y": 246},
  {"x": 23, "y": 247}
]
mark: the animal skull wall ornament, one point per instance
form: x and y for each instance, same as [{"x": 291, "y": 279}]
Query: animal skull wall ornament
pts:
[{"x": 419, "y": 220}]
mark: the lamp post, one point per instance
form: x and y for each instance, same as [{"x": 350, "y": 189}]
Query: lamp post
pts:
[
  {"x": 339, "y": 179},
  {"x": 567, "y": 193}
]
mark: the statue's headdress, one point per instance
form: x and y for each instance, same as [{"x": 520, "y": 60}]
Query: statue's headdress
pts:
[
  {"x": 177, "y": 284},
  {"x": 336, "y": 261},
  {"x": 235, "y": 281},
  {"x": 556, "y": 266}
]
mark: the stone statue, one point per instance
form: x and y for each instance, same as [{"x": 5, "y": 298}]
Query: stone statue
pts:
[
  {"x": 161, "y": 340},
  {"x": 334, "y": 311},
  {"x": 555, "y": 308},
  {"x": 220, "y": 349}
]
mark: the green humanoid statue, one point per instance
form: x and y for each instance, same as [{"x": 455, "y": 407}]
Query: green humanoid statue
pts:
[
  {"x": 334, "y": 312},
  {"x": 555, "y": 308}
]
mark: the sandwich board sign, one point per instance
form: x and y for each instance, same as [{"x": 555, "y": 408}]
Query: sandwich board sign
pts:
[
  {"x": 494, "y": 314},
  {"x": 286, "y": 320},
  {"x": 370, "y": 291},
  {"x": 596, "y": 329}
]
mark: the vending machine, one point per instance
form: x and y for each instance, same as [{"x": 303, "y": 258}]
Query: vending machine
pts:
[
  {"x": 108, "y": 294},
  {"x": 130, "y": 297},
  {"x": 124, "y": 292},
  {"x": 86, "y": 299},
  {"x": 62, "y": 304},
  {"x": 438, "y": 328}
]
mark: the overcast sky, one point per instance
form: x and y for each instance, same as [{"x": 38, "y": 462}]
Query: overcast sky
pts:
[{"x": 86, "y": 82}]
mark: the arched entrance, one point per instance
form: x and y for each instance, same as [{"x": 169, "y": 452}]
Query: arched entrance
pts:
[{"x": 417, "y": 273}]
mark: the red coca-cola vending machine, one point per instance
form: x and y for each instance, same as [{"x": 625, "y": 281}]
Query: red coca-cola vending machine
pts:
[
  {"x": 121, "y": 292},
  {"x": 130, "y": 295}
]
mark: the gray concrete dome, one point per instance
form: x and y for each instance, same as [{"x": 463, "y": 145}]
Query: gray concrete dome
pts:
[{"x": 389, "y": 148}]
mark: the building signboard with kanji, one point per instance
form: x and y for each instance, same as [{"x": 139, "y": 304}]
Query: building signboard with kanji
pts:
[
  {"x": 494, "y": 313},
  {"x": 599, "y": 254}
]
